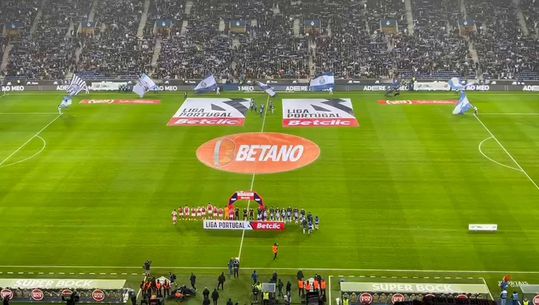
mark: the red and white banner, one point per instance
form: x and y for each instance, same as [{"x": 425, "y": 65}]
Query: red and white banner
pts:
[
  {"x": 320, "y": 123},
  {"x": 122, "y": 102},
  {"x": 318, "y": 113},
  {"x": 210, "y": 224},
  {"x": 417, "y": 102},
  {"x": 211, "y": 112},
  {"x": 205, "y": 122},
  {"x": 267, "y": 225}
]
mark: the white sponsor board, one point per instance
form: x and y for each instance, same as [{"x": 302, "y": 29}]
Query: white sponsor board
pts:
[
  {"x": 106, "y": 86},
  {"x": 61, "y": 283},
  {"x": 413, "y": 287},
  {"x": 211, "y": 112},
  {"x": 336, "y": 112},
  {"x": 533, "y": 88},
  {"x": 431, "y": 86},
  {"x": 485, "y": 227},
  {"x": 227, "y": 225}
]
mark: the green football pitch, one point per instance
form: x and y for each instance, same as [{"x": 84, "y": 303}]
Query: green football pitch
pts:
[{"x": 90, "y": 192}]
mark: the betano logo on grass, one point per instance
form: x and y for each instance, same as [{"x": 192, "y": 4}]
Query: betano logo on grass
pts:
[{"x": 258, "y": 153}]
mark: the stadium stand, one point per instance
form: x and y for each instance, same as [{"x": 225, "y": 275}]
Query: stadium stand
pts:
[
  {"x": 505, "y": 53},
  {"x": 198, "y": 40}
]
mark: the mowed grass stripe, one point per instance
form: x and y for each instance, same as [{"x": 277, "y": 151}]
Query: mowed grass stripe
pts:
[{"x": 395, "y": 193}]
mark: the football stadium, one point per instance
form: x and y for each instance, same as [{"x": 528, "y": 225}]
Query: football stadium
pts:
[{"x": 341, "y": 152}]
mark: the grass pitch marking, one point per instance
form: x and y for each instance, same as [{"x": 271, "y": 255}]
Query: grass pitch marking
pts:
[
  {"x": 490, "y": 159},
  {"x": 253, "y": 177},
  {"x": 507, "y": 152},
  {"x": 271, "y": 269},
  {"x": 28, "y": 113},
  {"x": 32, "y": 156},
  {"x": 510, "y": 113},
  {"x": 485, "y": 282},
  {"x": 30, "y": 139}
]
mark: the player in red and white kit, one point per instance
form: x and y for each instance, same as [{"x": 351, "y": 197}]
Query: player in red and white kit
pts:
[
  {"x": 180, "y": 213},
  {"x": 231, "y": 213},
  {"x": 209, "y": 211},
  {"x": 186, "y": 212},
  {"x": 221, "y": 212},
  {"x": 174, "y": 217},
  {"x": 193, "y": 213},
  {"x": 202, "y": 213}
]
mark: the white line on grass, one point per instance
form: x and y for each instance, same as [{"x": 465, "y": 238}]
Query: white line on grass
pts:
[
  {"x": 510, "y": 156},
  {"x": 329, "y": 290},
  {"x": 277, "y": 268},
  {"x": 485, "y": 282},
  {"x": 253, "y": 177},
  {"x": 32, "y": 156},
  {"x": 490, "y": 159},
  {"x": 509, "y": 113},
  {"x": 28, "y": 141},
  {"x": 28, "y": 113}
]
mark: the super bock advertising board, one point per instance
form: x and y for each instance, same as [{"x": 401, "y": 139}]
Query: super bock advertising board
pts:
[
  {"x": 318, "y": 113},
  {"x": 211, "y": 112}
]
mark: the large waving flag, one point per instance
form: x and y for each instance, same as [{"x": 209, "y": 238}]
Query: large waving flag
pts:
[
  {"x": 269, "y": 90},
  {"x": 463, "y": 104},
  {"x": 208, "y": 84},
  {"x": 455, "y": 84},
  {"x": 144, "y": 84},
  {"x": 77, "y": 85},
  {"x": 323, "y": 82}
]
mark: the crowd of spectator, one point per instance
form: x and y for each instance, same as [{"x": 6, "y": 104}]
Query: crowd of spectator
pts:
[
  {"x": 350, "y": 41},
  {"x": 504, "y": 51}
]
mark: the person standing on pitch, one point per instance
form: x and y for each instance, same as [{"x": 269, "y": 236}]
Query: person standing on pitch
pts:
[
  {"x": 254, "y": 276},
  {"x": 215, "y": 296},
  {"x": 503, "y": 297},
  {"x": 516, "y": 298},
  {"x": 275, "y": 250},
  {"x": 221, "y": 281},
  {"x": 193, "y": 280}
]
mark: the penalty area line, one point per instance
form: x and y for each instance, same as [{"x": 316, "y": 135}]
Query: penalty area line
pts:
[
  {"x": 253, "y": 178},
  {"x": 507, "y": 152}
]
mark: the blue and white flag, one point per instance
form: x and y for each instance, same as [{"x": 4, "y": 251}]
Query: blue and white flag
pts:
[
  {"x": 463, "y": 104},
  {"x": 144, "y": 84},
  {"x": 269, "y": 90},
  {"x": 456, "y": 85},
  {"x": 324, "y": 82},
  {"x": 77, "y": 85},
  {"x": 208, "y": 84},
  {"x": 66, "y": 102}
]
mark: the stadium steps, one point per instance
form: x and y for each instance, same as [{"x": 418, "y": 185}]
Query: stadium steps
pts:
[
  {"x": 5, "y": 57},
  {"x": 409, "y": 16},
  {"x": 156, "y": 52},
  {"x": 520, "y": 18},
  {"x": 184, "y": 27},
  {"x": 37, "y": 20},
  {"x": 143, "y": 19},
  {"x": 91, "y": 15},
  {"x": 188, "y": 6},
  {"x": 463, "y": 9},
  {"x": 295, "y": 28}
]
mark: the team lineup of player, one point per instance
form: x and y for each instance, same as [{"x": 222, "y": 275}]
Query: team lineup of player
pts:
[{"x": 308, "y": 222}]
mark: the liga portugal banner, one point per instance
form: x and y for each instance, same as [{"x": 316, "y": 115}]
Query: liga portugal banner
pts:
[
  {"x": 211, "y": 112},
  {"x": 319, "y": 113},
  {"x": 218, "y": 224}
]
